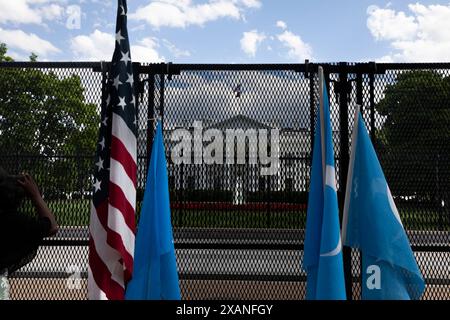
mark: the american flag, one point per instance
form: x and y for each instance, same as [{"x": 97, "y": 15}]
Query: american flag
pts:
[{"x": 112, "y": 224}]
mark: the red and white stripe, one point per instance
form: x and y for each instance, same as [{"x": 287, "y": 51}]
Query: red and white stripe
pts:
[{"x": 112, "y": 226}]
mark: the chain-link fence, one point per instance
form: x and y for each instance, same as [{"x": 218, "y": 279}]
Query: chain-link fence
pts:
[{"x": 238, "y": 203}]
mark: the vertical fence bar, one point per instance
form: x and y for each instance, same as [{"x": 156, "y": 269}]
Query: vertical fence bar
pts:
[
  {"x": 343, "y": 87},
  {"x": 372, "y": 104},
  {"x": 150, "y": 116},
  {"x": 161, "y": 98},
  {"x": 312, "y": 112},
  {"x": 104, "y": 70},
  {"x": 138, "y": 91},
  {"x": 359, "y": 90}
]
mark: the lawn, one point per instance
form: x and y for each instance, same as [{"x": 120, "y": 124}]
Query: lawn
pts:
[{"x": 76, "y": 213}]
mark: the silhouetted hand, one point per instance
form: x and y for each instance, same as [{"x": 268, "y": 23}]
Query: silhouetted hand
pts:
[
  {"x": 29, "y": 185},
  {"x": 31, "y": 188}
]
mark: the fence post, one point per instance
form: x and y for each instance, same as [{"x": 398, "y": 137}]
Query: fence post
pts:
[
  {"x": 372, "y": 104},
  {"x": 162, "y": 89},
  {"x": 343, "y": 89},
  {"x": 150, "y": 116},
  {"x": 359, "y": 91},
  {"x": 312, "y": 116}
]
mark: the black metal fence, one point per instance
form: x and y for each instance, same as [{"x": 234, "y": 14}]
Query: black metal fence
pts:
[{"x": 238, "y": 232}]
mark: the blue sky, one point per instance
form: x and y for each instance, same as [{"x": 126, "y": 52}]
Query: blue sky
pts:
[{"x": 231, "y": 31}]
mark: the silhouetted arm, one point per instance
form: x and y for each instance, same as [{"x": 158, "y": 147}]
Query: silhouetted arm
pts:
[{"x": 30, "y": 186}]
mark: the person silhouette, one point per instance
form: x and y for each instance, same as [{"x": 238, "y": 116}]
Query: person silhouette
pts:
[{"x": 21, "y": 234}]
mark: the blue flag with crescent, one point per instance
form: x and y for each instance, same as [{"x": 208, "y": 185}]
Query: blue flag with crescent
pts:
[
  {"x": 323, "y": 248},
  {"x": 372, "y": 224},
  {"x": 155, "y": 274}
]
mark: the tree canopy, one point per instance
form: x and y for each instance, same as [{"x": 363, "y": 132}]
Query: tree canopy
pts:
[
  {"x": 46, "y": 126},
  {"x": 415, "y": 136},
  {"x": 3, "y": 56}
]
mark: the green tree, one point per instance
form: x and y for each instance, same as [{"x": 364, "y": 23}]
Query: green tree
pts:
[
  {"x": 46, "y": 127},
  {"x": 415, "y": 137},
  {"x": 3, "y": 56},
  {"x": 33, "y": 57}
]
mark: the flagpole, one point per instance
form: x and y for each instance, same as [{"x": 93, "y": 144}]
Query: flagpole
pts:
[
  {"x": 349, "y": 186},
  {"x": 322, "y": 120}
]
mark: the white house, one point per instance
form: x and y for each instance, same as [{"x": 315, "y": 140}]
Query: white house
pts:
[{"x": 243, "y": 172}]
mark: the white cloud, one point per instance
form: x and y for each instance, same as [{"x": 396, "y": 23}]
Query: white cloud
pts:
[
  {"x": 433, "y": 21},
  {"x": 386, "y": 24},
  {"x": 100, "y": 46},
  {"x": 96, "y": 46},
  {"x": 139, "y": 27},
  {"x": 30, "y": 11},
  {"x": 18, "y": 11},
  {"x": 105, "y": 3},
  {"x": 250, "y": 3},
  {"x": 421, "y": 36},
  {"x": 27, "y": 42},
  {"x": 45, "y": 1},
  {"x": 174, "y": 50},
  {"x": 52, "y": 12},
  {"x": 250, "y": 41},
  {"x": 422, "y": 51},
  {"x": 281, "y": 24},
  {"x": 145, "y": 51},
  {"x": 297, "y": 49},
  {"x": 183, "y": 13}
]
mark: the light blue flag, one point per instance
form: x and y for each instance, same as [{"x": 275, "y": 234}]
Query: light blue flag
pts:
[
  {"x": 323, "y": 248},
  {"x": 372, "y": 224},
  {"x": 155, "y": 274}
]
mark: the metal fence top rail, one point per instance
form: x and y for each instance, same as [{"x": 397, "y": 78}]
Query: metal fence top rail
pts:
[
  {"x": 349, "y": 67},
  {"x": 174, "y": 68},
  {"x": 51, "y": 64}
]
